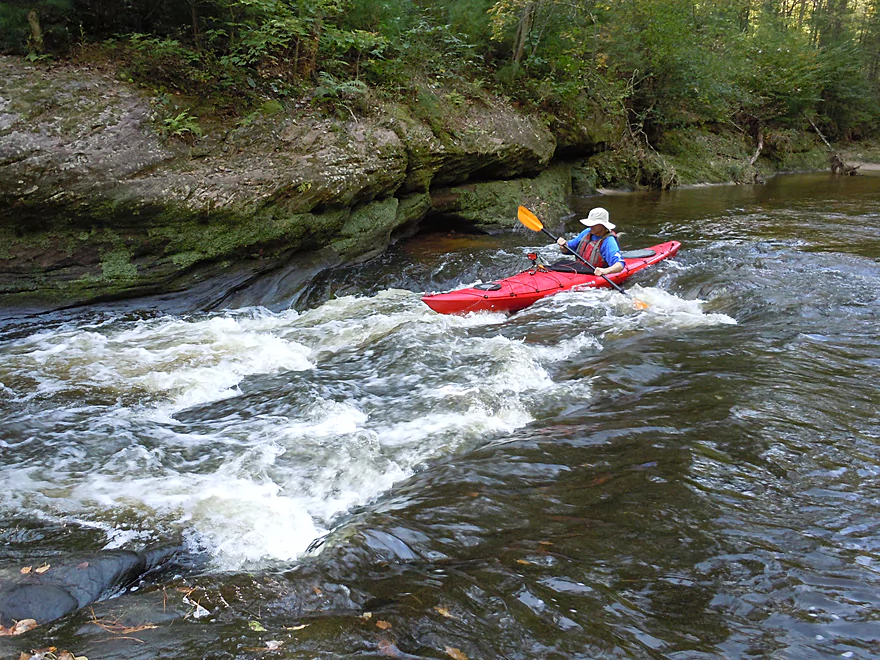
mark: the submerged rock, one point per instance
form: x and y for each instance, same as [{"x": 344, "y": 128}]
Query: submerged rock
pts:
[{"x": 48, "y": 593}]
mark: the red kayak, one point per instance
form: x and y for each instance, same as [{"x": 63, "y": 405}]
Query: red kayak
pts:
[{"x": 518, "y": 292}]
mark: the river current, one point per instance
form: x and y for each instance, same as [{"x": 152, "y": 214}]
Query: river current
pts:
[{"x": 352, "y": 474}]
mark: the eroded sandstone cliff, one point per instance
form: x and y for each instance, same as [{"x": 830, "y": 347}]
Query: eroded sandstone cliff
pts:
[{"x": 97, "y": 204}]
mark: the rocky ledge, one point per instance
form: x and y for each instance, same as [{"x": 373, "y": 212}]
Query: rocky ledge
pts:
[{"x": 98, "y": 205}]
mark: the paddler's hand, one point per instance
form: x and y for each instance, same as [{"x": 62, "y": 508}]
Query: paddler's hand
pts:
[
  {"x": 599, "y": 272},
  {"x": 560, "y": 242}
]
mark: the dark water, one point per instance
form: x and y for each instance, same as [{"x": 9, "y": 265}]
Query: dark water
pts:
[{"x": 362, "y": 477}]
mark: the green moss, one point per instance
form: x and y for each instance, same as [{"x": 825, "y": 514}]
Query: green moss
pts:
[
  {"x": 116, "y": 265},
  {"x": 583, "y": 181},
  {"x": 806, "y": 161},
  {"x": 187, "y": 240},
  {"x": 492, "y": 205},
  {"x": 367, "y": 228},
  {"x": 699, "y": 156},
  {"x": 86, "y": 281},
  {"x": 36, "y": 242},
  {"x": 184, "y": 260},
  {"x": 6, "y": 243},
  {"x": 413, "y": 208},
  {"x": 271, "y": 107}
]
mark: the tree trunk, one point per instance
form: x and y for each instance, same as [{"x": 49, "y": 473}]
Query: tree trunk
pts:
[
  {"x": 197, "y": 37},
  {"x": 759, "y": 146},
  {"x": 36, "y": 39},
  {"x": 838, "y": 165},
  {"x": 310, "y": 50},
  {"x": 522, "y": 32}
]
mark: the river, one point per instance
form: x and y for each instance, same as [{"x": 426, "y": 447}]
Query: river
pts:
[{"x": 357, "y": 475}]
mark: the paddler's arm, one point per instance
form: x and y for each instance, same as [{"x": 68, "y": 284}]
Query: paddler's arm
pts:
[
  {"x": 616, "y": 268},
  {"x": 571, "y": 245},
  {"x": 611, "y": 254}
]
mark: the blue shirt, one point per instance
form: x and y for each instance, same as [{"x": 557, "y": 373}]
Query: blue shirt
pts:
[{"x": 609, "y": 249}]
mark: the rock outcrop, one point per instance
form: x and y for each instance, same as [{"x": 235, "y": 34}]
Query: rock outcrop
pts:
[{"x": 97, "y": 205}]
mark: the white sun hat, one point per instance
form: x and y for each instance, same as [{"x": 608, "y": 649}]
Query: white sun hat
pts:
[{"x": 598, "y": 216}]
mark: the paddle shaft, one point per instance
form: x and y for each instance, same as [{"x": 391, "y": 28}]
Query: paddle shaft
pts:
[{"x": 586, "y": 262}]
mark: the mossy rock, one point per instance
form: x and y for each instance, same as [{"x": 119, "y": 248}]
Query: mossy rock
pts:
[{"x": 492, "y": 206}]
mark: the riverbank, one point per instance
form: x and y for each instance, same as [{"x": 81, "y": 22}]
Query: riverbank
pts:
[
  {"x": 867, "y": 167},
  {"x": 107, "y": 196}
]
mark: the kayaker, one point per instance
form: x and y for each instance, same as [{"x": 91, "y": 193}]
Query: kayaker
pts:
[{"x": 597, "y": 244}]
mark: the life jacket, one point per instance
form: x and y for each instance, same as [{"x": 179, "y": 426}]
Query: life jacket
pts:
[{"x": 591, "y": 250}]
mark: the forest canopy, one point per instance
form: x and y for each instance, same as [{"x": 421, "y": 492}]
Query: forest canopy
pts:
[{"x": 651, "y": 65}]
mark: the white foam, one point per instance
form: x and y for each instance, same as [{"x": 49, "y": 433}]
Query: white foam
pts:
[
  {"x": 275, "y": 490},
  {"x": 383, "y": 386},
  {"x": 181, "y": 363},
  {"x": 239, "y": 520},
  {"x": 640, "y": 307},
  {"x": 669, "y": 309},
  {"x": 566, "y": 348}
]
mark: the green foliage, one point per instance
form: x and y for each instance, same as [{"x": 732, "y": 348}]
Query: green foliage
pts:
[
  {"x": 167, "y": 66},
  {"x": 36, "y": 28},
  {"x": 181, "y": 125},
  {"x": 172, "y": 121},
  {"x": 646, "y": 66},
  {"x": 456, "y": 99},
  {"x": 34, "y": 56},
  {"x": 14, "y": 28},
  {"x": 658, "y": 64},
  {"x": 331, "y": 89},
  {"x": 848, "y": 101},
  {"x": 780, "y": 74}
]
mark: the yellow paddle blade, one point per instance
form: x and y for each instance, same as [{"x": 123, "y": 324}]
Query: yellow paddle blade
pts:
[{"x": 529, "y": 219}]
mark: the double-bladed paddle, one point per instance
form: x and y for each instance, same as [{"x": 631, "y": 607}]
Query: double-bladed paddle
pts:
[{"x": 531, "y": 221}]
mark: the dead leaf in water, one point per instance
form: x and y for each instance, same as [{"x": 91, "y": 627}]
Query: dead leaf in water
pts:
[
  {"x": 67, "y": 655},
  {"x": 387, "y": 648},
  {"x": 42, "y": 569},
  {"x": 18, "y": 628},
  {"x": 384, "y": 625},
  {"x": 26, "y": 569},
  {"x": 271, "y": 645},
  {"x": 39, "y": 654},
  {"x": 444, "y": 612},
  {"x": 23, "y": 626},
  {"x": 455, "y": 653}
]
